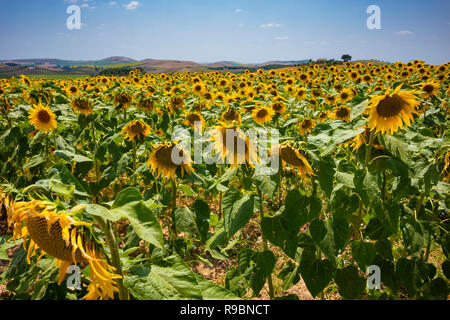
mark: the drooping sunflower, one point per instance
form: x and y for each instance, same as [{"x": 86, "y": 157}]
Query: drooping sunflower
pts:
[
  {"x": 293, "y": 158},
  {"x": 306, "y": 126},
  {"x": 42, "y": 118},
  {"x": 231, "y": 115},
  {"x": 430, "y": 88},
  {"x": 63, "y": 237},
  {"x": 262, "y": 114},
  {"x": 136, "y": 129},
  {"x": 193, "y": 118},
  {"x": 342, "y": 113},
  {"x": 232, "y": 146},
  {"x": 388, "y": 112},
  {"x": 146, "y": 104},
  {"x": 167, "y": 158},
  {"x": 123, "y": 99},
  {"x": 81, "y": 105}
]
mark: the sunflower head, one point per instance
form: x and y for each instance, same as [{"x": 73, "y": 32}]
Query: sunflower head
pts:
[
  {"x": 42, "y": 118},
  {"x": 342, "y": 113},
  {"x": 123, "y": 99},
  {"x": 232, "y": 146},
  {"x": 429, "y": 88},
  {"x": 193, "y": 118},
  {"x": 262, "y": 114},
  {"x": 231, "y": 115},
  {"x": 136, "y": 129},
  {"x": 306, "y": 126},
  {"x": 293, "y": 158},
  {"x": 81, "y": 105},
  {"x": 63, "y": 237},
  {"x": 167, "y": 158},
  {"x": 389, "y": 111}
]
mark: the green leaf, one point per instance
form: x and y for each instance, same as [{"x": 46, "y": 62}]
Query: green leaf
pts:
[
  {"x": 256, "y": 267},
  {"x": 268, "y": 184},
  {"x": 317, "y": 274},
  {"x": 446, "y": 269},
  {"x": 363, "y": 253},
  {"x": 62, "y": 189},
  {"x": 325, "y": 176},
  {"x": 100, "y": 211},
  {"x": 143, "y": 220},
  {"x": 290, "y": 274},
  {"x": 350, "y": 284},
  {"x": 395, "y": 146},
  {"x": 34, "y": 161},
  {"x": 185, "y": 221},
  {"x": 237, "y": 211},
  {"x": 384, "y": 249},
  {"x": 322, "y": 234},
  {"x": 436, "y": 289},
  {"x": 61, "y": 173},
  {"x": 125, "y": 196},
  {"x": 212, "y": 291},
  {"x": 71, "y": 157},
  {"x": 412, "y": 274},
  {"x": 202, "y": 216},
  {"x": 414, "y": 235},
  {"x": 376, "y": 230},
  {"x": 169, "y": 279}
]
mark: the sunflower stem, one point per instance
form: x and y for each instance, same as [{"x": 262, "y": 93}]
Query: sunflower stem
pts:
[
  {"x": 369, "y": 148},
  {"x": 174, "y": 206},
  {"x": 115, "y": 257},
  {"x": 265, "y": 245}
]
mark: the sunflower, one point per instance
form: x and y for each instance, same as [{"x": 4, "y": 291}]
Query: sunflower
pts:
[
  {"x": 175, "y": 103},
  {"x": 262, "y": 114},
  {"x": 231, "y": 115},
  {"x": 192, "y": 118},
  {"x": 356, "y": 142},
  {"x": 430, "y": 88},
  {"x": 278, "y": 106},
  {"x": 388, "y": 112},
  {"x": 301, "y": 93},
  {"x": 123, "y": 99},
  {"x": 81, "y": 105},
  {"x": 345, "y": 95},
  {"x": 233, "y": 146},
  {"x": 136, "y": 129},
  {"x": 323, "y": 116},
  {"x": 293, "y": 158},
  {"x": 147, "y": 105},
  {"x": 306, "y": 126},
  {"x": 42, "y": 118},
  {"x": 342, "y": 113},
  {"x": 64, "y": 238},
  {"x": 161, "y": 161},
  {"x": 72, "y": 90}
]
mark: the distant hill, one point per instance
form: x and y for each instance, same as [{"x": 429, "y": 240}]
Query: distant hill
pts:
[{"x": 122, "y": 65}]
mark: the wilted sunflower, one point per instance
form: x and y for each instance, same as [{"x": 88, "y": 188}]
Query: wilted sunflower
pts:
[
  {"x": 136, "y": 129},
  {"x": 42, "y": 118},
  {"x": 293, "y": 158},
  {"x": 232, "y": 146},
  {"x": 342, "y": 113},
  {"x": 306, "y": 126},
  {"x": 175, "y": 103},
  {"x": 64, "y": 238},
  {"x": 167, "y": 158},
  {"x": 262, "y": 114},
  {"x": 81, "y": 105},
  {"x": 429, "y": 88},
  {"x": 388, "y": 112}
]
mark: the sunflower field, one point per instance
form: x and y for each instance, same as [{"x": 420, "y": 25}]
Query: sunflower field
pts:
[{"x": 89, "y": 186}]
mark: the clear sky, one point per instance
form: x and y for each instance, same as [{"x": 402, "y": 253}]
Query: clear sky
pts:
[{"x": 237, "y": 30}]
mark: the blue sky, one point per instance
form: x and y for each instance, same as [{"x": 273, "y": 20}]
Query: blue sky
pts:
[{"x": 238, "y": 30}]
